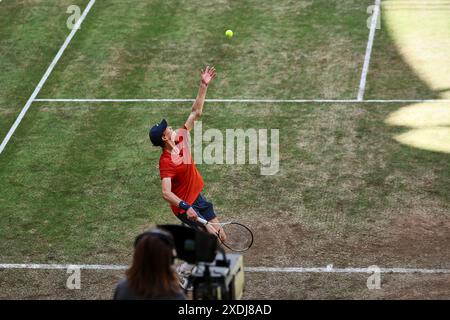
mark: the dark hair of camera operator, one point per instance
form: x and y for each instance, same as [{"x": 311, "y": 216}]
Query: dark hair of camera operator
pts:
[{"x": 151, "y": 276}]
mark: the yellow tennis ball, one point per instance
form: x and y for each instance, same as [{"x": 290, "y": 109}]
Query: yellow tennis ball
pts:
[{"x": 229, "y": 33}]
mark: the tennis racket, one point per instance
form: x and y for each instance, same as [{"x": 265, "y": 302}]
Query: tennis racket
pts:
[{"x": 238, "y": 237}]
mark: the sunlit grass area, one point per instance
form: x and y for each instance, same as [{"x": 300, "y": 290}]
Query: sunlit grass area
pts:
[{"x": 421, "y": 33}]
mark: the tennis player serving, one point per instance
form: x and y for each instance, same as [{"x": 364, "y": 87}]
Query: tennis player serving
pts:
[{"x": 181, "y": 182}]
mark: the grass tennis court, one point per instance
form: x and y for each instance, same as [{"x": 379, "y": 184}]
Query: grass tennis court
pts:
[{"x": 79, "y": 180}]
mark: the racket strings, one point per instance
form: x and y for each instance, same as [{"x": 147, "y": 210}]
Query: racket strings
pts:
[{"x": 238, "y": 237}]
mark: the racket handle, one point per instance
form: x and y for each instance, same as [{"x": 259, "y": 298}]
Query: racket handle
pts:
[{"x": 202, "y": 221}]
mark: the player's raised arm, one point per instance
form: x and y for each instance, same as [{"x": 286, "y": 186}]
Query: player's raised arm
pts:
[{"x": 206, "y": 76}]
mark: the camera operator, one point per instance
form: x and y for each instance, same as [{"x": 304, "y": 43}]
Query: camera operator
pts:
[{"x": 151, "y": 275}]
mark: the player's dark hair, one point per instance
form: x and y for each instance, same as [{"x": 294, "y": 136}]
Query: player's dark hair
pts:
[{"x": 151, "y": 275}]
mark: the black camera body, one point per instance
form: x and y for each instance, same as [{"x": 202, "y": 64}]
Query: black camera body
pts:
[
  {"x": 215, "y": 281},
  {"x": 216, "y": 276}
]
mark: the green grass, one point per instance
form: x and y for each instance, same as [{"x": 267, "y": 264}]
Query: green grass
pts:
[
  {"x": 31, "y": 33},
  {"x": 85, "y": 179},
  {"x": 155, "y": 49},
  {"x": 79, "y": 180}
]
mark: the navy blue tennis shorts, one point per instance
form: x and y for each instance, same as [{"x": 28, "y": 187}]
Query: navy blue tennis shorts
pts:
[{"x": 204, "y": 210}]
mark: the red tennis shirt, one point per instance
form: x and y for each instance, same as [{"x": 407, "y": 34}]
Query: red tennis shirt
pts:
[{"x": 187, "y": 182}]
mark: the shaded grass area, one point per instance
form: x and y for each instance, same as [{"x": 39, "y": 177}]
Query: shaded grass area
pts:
[
  {"x": 31, "y": 33},
  {"x": 85, "y": 181},
  {"x": 45, "y": 284},
  {"x": 288, "y": 49},
  {"x": 346, "y": 286}
]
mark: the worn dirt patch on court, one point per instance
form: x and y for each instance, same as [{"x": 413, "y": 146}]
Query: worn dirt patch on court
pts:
[
  {"x": 412, "y": 241},
  {"x": 345, "y": 286},
  {"x": 51, "y": 284}
]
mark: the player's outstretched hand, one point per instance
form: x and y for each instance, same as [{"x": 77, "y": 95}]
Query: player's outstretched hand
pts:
[
  {"x": 221, "y": 234},
  {"x": 208, "y": 74}
]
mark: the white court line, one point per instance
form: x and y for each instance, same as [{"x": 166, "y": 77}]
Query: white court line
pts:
[
  {"x": 346, "y": 270},
  {"x": 327, "y": 269},
  {"x": 45, "y": 76},
  {"x": 61, "y": 266},
  {"x": 254, "y": 100},
  {"x": 365, "y": 70}
]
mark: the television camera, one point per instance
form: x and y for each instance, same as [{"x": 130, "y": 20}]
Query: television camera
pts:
[{"x": 216, "y": 275}]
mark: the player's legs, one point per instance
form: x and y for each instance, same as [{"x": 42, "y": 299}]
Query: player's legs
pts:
[{"x": 205, "y": 209}]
